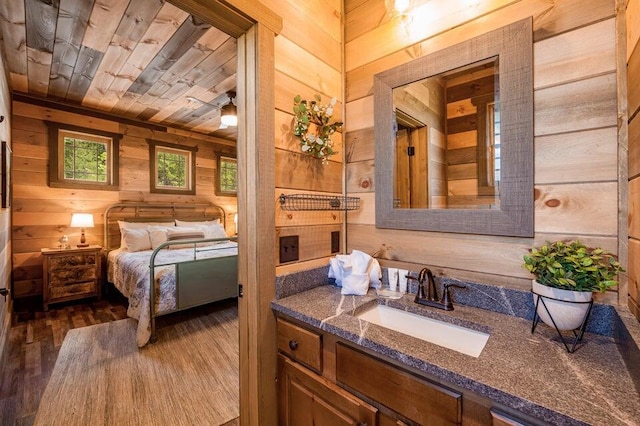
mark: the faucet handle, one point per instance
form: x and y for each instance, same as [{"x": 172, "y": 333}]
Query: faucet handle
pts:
[{"x": 446, "y": 297}]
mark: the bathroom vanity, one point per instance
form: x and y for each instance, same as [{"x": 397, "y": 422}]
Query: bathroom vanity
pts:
[{"x": 335, "y": 368}]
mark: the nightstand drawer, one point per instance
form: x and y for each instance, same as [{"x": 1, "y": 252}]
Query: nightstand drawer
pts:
[
  {"x": 66, "y": 276},
  {"x": 72, "y": 290},
  {"x": 70, "y": 260}
]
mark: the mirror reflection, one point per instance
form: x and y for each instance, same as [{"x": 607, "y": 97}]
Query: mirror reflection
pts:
[{"x": 447, "y": 147}]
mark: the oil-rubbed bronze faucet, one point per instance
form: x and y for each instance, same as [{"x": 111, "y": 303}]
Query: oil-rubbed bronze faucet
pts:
[{"x": 431, "y": 297}]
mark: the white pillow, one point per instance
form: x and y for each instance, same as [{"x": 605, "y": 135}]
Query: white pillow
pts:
[
  {"x": 137, "y": 225},
  {"x": 190, "y": 224},
  {"x": 214, "y": 231},
  {"x": 184, "y": 234},
  {"x": 136, "y": 239},
  {"x": 158, "y": 235}
]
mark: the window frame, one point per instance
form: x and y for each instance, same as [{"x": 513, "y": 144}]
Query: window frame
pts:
[
  {"x": 219, "y": 191},
  {"x": 56, "y": 160},
  {"x": 153, "y": 167}
]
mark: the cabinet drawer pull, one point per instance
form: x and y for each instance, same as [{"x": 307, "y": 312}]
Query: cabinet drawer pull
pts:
[
  {"x": 362, "y": 423},
  {"x": 293, "y": 345}
]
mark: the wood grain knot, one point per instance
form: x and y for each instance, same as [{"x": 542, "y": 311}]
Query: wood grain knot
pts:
[{"x": 552, "y": 203}]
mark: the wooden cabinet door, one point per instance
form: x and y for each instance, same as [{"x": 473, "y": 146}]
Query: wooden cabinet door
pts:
[{"x": 306, "y": 399}]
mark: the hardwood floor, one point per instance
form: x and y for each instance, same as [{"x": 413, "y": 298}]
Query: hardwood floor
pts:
[{"x": 33, "y": 350}]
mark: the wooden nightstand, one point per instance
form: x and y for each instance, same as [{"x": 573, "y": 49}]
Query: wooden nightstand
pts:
[{"x": 71, "y": 274}]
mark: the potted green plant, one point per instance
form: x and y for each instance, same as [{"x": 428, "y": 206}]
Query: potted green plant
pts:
[{"x": 571, "y": 272}]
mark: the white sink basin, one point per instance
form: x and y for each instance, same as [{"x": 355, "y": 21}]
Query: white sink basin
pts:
[{"x": 461, "y": 339}]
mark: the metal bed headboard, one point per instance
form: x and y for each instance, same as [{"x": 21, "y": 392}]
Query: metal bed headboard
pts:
[{"x": 146, "y": 212}]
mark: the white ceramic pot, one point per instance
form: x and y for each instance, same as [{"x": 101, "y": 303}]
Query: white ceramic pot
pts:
[{"x": 567, "y": 316}]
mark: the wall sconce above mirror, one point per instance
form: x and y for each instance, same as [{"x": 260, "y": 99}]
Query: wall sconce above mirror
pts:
[{"x": 454, "y": 138}]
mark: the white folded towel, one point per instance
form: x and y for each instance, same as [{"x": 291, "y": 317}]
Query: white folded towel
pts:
[
  {"x": 355, "y": 272},
  {"x": 337, "y": 266},
  {"x": 355, "y": 284}
]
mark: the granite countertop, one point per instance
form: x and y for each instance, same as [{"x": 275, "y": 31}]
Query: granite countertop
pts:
[{"x": 532, "y": 373}]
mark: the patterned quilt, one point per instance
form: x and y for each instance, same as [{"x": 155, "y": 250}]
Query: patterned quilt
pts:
[{"x": 129, "y": 272}]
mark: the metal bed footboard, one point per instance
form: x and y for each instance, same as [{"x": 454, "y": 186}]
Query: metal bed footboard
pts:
[{"x": 199, "y": 280}]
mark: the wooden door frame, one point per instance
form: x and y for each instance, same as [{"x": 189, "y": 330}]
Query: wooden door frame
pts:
[{"x": 255, "y": 26}]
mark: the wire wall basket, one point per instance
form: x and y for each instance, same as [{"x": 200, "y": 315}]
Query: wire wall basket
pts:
[{"x": 298, "y": 202}]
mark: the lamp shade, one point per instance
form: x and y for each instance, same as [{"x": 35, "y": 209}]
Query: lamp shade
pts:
[
  {"x": 229, "y": 115},
  {"x": 82, "y": 220}
]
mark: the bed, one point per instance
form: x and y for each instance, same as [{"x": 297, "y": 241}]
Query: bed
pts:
[{"x": 191, "y": 266}]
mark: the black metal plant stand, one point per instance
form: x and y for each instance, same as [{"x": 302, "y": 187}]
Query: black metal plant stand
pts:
[{"x": 577, "y": 333}]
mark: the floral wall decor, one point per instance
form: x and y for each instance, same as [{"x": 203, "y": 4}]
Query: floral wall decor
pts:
[{"x": 313, "y": 126}]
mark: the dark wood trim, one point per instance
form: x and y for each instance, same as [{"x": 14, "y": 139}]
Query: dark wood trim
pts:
[
  {"x": 63, "y": 106},
  {"x": 54, "y": 163},
  {"x": 153, "y": 169}
]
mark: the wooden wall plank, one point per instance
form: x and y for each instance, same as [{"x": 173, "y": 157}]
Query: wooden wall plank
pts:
[
  {"x": 288, "y": 88},
  {"x": 575, "y": 55},
  {"x": 359, "y": 114},
  {"x": 297, "y": 62},
  {"x": 634, "y": 276},
  {"x": 584, "y": 104},
  {"x": 634, "y": 147},
  {"x": 321, "y": 32},
  {"x": 360, "y": 177},
  {"x": 300, "y": 171},
  {"x": 360, "y": 145},
  {"x": 570, "y": 14},
  {"x": 42, "y": 113},
  {"x": 590, "y": 155},
  {"x": 633, "y": 26},
  {"x": 634, "y": 208},
  {"x": 633, "y": 83},
  {"x": 581, "y": 209}
]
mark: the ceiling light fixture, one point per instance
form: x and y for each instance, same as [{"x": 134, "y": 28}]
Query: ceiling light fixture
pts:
[
  {"x": 398, "y": 7},
  {"x": 229, "y": 113}
]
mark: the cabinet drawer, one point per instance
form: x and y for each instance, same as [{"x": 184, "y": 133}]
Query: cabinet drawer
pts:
[
  {"x": 59, "y": 292},
  {"x": 302, "y": 345},
  {"x": 69, "y": 260},
  {"x": 418, "y": 399},
  {"x": 62, "y": 276},
  {"x": 306, "y": 398}
]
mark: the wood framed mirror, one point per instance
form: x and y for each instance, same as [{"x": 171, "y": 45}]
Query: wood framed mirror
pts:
[{"x": 454, "y": 138}]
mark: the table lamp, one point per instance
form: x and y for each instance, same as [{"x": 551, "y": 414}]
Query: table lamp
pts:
[{"x": 82, "y": 220}]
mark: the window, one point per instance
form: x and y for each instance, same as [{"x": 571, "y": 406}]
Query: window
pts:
[
  {"x": 82, "y": 158},
  {"x": 173, "y": 168},
  {"x": 227, "y": 182}
]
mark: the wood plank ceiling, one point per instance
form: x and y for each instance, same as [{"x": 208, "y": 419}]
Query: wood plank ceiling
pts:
[{"x": 139, "y": 59}]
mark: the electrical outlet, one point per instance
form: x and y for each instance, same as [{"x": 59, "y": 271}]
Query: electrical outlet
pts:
[
  {"x": 289, "y": 249},
  {"x": 335, "y": 241}
]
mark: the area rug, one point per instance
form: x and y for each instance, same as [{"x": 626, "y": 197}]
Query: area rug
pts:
[{"x": 188, "y": 377}]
